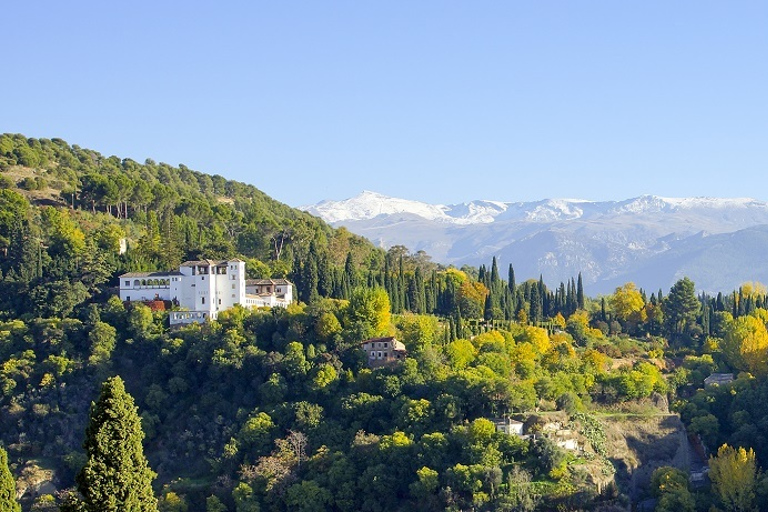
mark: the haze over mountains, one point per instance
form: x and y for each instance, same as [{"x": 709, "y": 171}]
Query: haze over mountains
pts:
[{"x": 653, "y": 241}]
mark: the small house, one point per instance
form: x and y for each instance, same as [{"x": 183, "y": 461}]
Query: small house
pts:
[
  {"x": 383, "y": 351},
  {"x": 718, "y": 379}
]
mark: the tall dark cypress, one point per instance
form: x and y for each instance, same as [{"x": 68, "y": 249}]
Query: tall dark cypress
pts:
[
  {"x": 570, "y": 299},
  {"x": 495, "y": 279},
  {"x": 511, "y": 279},
  {"x": 311, "y": 280},
  {"x": 579, "y": 293},
  {"x": 8, "y": 501},
  {"x": 324, "y": 277},
  {"x": 720, "y": 302},
  {"x": 536, "y": 312},
  {"x": 488, "y": 308},
  {"x": 349, "y": 272},
  {"x": 116, "y": 476},
  {"x": 297, "y": 276}
]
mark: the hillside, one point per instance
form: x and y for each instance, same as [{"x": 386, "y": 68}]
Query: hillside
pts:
[
  {"x": 63, "y": 206},
  {"x": 281, "y": 408}
]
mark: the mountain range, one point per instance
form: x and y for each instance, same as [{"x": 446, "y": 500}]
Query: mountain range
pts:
[{"x": 653, "y": 241}]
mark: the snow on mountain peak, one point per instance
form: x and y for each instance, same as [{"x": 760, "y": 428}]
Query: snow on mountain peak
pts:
[{"x": 368, "y": 205}]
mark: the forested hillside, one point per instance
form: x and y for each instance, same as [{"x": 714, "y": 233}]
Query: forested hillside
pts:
[{"x": 278, "y": 409}]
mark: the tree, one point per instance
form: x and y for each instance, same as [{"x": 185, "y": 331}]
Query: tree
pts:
[
  {"x": 734, "y": 475},
  {"x": 8, "y": 501},
  {"x": 472, "y": 299},
  {"x": 214, "y": 504},
  {"x": 102, "y": 339},
  {"x": 626, "y": 301},
  {"x": 745, "y": 345},
  {"x": 116, "y": 476},
  {"x": 369, "y": 312},
  {"x": 172, "y": 502},
  {"x": 681, "y": 306},
  {"x": 670, "y": 485},
  {"x": 308, "y": 496}
]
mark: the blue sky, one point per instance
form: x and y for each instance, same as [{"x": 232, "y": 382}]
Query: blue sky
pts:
[{"x": 436, "y": 101}]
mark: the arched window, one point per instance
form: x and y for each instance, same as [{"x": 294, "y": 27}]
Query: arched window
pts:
[{"x": 136, "y": 283}]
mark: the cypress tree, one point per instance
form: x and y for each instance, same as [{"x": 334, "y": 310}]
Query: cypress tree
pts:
[
  {"x": 720, "y": 302},
  {"x": 536, "y": 312},
  {"x": 511, "y": 279},
  {"x": 349, "y": 272},
  {"x": 324, "y": 277},
  {"x": 580, "y": 293},
  {"x": 8, "y": 501},
  {"x": 495, "y": 279},
  {"x": 488, "y": 308},
  {"x": 116, "y": 476}
]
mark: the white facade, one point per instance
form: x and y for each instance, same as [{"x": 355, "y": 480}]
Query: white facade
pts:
[
  {"x": 202, "y": 289},
  {"x": 509, "y": 426}
]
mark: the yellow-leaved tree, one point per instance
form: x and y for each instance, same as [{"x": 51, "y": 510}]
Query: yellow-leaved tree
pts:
[
  {"x": 734, "y": 475},
  {"x": 745, "y": 345},
  {"x": 627, "y": 303}
]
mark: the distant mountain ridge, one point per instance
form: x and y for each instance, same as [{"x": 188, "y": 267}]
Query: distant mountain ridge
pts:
[{"x": 610, "y": 242}]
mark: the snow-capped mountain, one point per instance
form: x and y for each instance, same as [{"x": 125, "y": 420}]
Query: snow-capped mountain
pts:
[{"x": 648, "y": 239}]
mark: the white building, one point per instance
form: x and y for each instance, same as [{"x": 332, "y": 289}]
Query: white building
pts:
[
  {"x": 509, "y": 426},
  {"x": 203, "y": 288}
]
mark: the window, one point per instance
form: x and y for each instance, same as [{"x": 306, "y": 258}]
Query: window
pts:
[
  {"x": 233, "y": 295},
  {"x": 385, "y": 355},
  {"x": 373, "y": 355},
  {"x": 202, "y": 299},
  {"x": 128, "y": 298},
  {"x": 127, "y": 283},
  {"x": 385, "y": 345},
  {"x": 233, "y": 287},
  {"x": 202, "y": 278},
  {"x": 219, "y": 301}
]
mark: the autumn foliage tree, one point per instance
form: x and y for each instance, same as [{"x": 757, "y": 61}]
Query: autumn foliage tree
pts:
[
  {"x": 734, "y": 477},
  {"x": 746, "y": 345},
  {"x": 626, "y": 302}
]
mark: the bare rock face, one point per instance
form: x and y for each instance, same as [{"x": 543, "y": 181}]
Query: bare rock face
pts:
[{"x": 638, "y": 445}]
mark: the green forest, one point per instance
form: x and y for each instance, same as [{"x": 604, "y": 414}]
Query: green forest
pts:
[{"x": 277, "y": 409}]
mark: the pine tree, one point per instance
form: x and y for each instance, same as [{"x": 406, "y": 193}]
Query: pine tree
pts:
[
  {"x": 8, "y": 501},
  {"x": 116, "y": 476}
]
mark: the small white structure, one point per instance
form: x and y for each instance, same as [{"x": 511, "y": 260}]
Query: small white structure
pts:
[
  {"x": 566, "y": 440},
  {"x": 718, "y": 379},
  {"x": 272, "y": 292},
  {"x": 204, "y": 288},
  {"x": 509, "y": 426}
]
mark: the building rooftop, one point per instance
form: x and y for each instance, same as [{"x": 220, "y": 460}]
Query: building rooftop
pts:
[
  {"x": 396, "y": 345},
  {"x": 718, "y": 378},
  {"x": 203, "y": 263},
  {"x": 151, "y": 274},
  {"x": 252, "y": 282}
]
